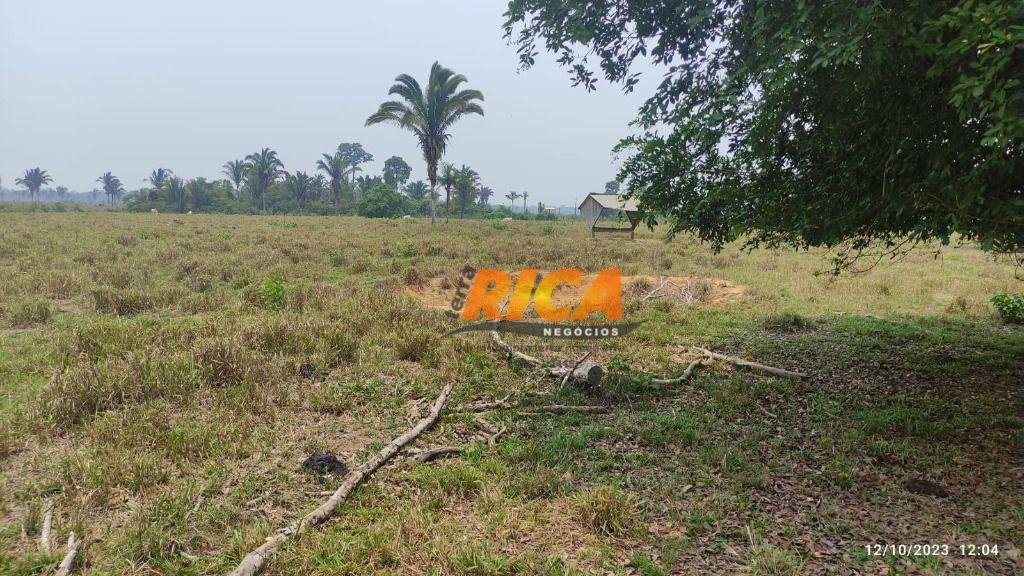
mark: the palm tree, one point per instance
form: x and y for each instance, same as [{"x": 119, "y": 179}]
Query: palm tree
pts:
[
  {"x": 176, "y": 186},
  {"x": 34, "y": 179},
  {"x": 319, "y": 185},
  {"x": 417, "y": 190},
  {"x": 429, "y": 115},
  {"x": 197, "y": 189},
  {"x": 300, "y": 185},
  {"x": 265, "y": 168},
  {"x": 524, "y": 195},
  {"x": 485, "y": 195},
  {"x": 512, "y": 195},
  {"x": 467, "y": 186},
  {"x": 158, "y": 178},
  {"x": 235, "y": 171},
  {"x": 448, "y": 178},
  {"x": 336, "y": 167},
  {"x": 111, "y": 185}
]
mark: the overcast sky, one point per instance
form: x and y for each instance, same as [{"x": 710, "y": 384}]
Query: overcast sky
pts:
[{"x": 128, "y": 86}]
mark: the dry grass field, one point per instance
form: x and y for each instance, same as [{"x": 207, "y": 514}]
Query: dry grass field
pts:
[{"x": 162, "y": 378}]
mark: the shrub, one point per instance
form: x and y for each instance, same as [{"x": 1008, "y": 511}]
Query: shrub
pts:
[
  {"x": 272, "y": 293},
  {"x": 1010, "y": 307}
]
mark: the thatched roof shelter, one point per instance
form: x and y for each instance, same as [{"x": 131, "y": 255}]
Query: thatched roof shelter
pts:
[{"x": 601, "y": 210}]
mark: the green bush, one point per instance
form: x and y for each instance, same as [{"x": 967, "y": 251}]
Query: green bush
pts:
[
  {"x": 1010, "y": 307},
  {"x": 272, "y": 293}
]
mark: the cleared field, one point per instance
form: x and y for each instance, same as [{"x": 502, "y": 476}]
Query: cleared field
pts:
[{"x": 163, "y": 377}]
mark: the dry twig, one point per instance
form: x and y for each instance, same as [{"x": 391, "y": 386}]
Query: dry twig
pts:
[
  {"x": 254, "y": 561},
  {"x": 683, "y": 378}
]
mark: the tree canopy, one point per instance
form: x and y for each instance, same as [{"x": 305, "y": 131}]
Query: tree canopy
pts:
[
  {"x": 834, "y": 124},
  {"x": 429, "y": 114}
]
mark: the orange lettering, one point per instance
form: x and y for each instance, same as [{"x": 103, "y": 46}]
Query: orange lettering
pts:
[
  {"x": 521, "y": 294},
  {"x": 603, "y": 295},
  {"x": 542, "y": 297},
  {"x": 490, "y": 288}
]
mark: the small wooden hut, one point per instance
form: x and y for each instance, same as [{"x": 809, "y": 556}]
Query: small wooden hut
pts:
[{"x": 602, "y": 211}]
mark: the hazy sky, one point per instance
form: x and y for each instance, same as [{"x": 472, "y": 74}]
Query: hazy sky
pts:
[{"x": 127, "y": 86}]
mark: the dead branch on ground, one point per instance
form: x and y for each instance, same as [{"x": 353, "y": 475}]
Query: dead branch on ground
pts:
[
  {"x": 683, "y": 378},
  {"x": 254, "y": 561},
  {"x": 46, "y": 535},
  {"x": 434, "y": 453},
  {"x": 586, "y": 375},
  {"x": 65, "y": 566},
  {"x": 748, "y": 364}
]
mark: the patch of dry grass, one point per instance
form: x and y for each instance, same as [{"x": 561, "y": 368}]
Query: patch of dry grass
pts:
[{"x": 161, "y": 382}]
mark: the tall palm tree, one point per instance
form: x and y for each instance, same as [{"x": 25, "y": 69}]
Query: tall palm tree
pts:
[
  {"x": 265, "y": 168},
  {"x": 336, "y": 167},
  {"x": 449, "y": 176},
  {"x": 512, "y": 195},
  {"x": 198, "y": 189},
  {"x": 524, "y": 195},
  {"x": 485, "y": 194},
  {"x": 158, "y": 179},
  {"x": 429, "y": 115},
  {"x": 112, "y": 186},
  {"x": 235, "y": 171},
  {"x": 176, "y": 186},
  {"x": 417, "y": 190},
  {"x": 467, "y": 186},
  {"x": 319, "y": 185},
  {"x": 34, "y": 179},
  {"x": 300, "y": 185}
]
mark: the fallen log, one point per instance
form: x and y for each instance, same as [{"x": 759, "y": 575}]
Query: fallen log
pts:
[
  {"x": 65, "y": 566},
  {"x": 754, "y": 365},
  {"x": 254, "y": 561}
]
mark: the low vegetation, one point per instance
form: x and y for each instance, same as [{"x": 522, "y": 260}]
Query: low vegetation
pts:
[{"x": 163, "y": 377}]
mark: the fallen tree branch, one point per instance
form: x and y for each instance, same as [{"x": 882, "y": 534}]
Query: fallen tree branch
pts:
[
  {"x": 652, "y": 293},
  {"x": 748, "y": 364},
  {"x": 64, "y": 568},
  {"x": 683, "y": 378},
  {"x": 46, "y": 535},
  {"x": 434, "y": 454},
  {"x": 485, "y": 406},
  {"x": 563, "y": 408},
  {"x": 485, "y": 425},
  {"x": 254, "y": 561},
  {"x": 587, "y": 375},
  {"x": 438, "y": 452}
]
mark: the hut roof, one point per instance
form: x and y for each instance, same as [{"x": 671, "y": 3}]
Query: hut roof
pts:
[{"x": 613, "y": 201}]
